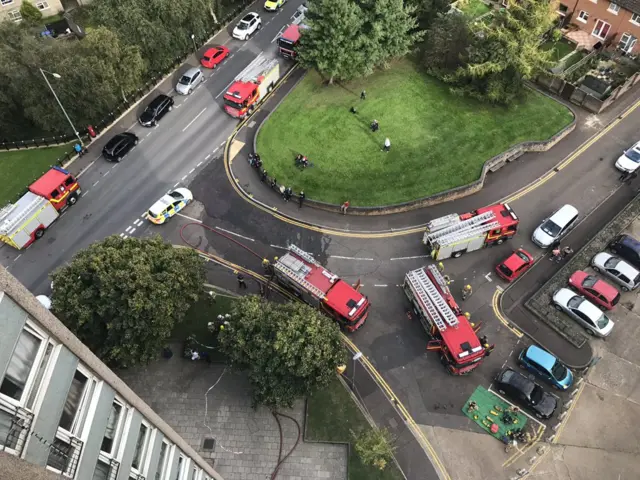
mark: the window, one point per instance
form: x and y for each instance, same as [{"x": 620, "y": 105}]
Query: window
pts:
[
  {"x": 6, "y": 2},
  {"x": 162, "y": 461},
  {"x": 113, "y": 430},
  {"x": 601, "y": 30},
  {"x": 583, "y": 16},
  {"x": 75, "y": 397},
  {"x": 69, "y": 181},
  {"x": 613, "y": 8},
  {"x": 42, "y": 5},
  {"x": 20, "y": 365},
  {"x": 38, "y": 380},
  {"x": 635, "y": 19},
  {"x": 627, "y": 42},
  {"x": 102, "y": 471},
  {"x": 141, "y": 446},
  {"x": 179, "y": 473},
  {"x": 562, "y": 9},
  {"x": 55, "y": 194},
  {"x": 14, "y": 15}
]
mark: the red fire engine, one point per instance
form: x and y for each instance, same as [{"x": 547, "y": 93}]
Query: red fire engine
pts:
[
  {"x": 440, "y": 315},
  {"x": 453, "y": 235},
  {"x": 291, "y": 36},
  {"x": 298, "y": 271},
  {"x": 58, "y": 186},
  {"x": 251, "y": 86}
]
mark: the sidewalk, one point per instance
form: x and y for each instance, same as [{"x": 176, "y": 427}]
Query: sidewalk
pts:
[{"x": 501, "y": 184}]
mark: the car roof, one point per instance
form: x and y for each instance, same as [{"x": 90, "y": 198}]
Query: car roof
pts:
[
  {"x": 517, "y": 380},
  {"x": 564, "y": 295},
  {"x": 590, "y": 310},
  {"x": 191, "y": 72},
  {"x": 602, "y": 287},
  {"x": 513, "y": 262},
  {"x": 541, "y": 357},
  {"x": 249, "y": 16},
  {"x": 158, "y": 100},
  {"x": 629, "y": 241},
  {"x": 622, "y": 266},
  {"x": 116, "y": 139},
  {"x": 161, "y": 204},
  {"x": 212, "y": 50}
]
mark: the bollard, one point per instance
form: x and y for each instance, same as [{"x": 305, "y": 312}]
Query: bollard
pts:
[
  {"x": 532, "y": 460},
  {"x": 551, "y": 439},
  {"x": 568, "y": 404},
  {"x": 541, "y": 450},
  {"x": 574, "y": 392},
  {"x": 556, "y": 426},
  {"x": 563, "y": 415}
]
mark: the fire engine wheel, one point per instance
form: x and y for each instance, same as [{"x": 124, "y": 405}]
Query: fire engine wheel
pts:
[
  {"x": 39, "y": 233},
  {"x": 73, "y": 200},
  {"x": 500, "y": 241},
  {"x": 457, "y": 255}
]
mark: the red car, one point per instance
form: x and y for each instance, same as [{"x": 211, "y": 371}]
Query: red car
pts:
[
  {"x": 214, "y": 56},
  {"x": 519, "y": 262},
  {"x": 594, "y": 289}
]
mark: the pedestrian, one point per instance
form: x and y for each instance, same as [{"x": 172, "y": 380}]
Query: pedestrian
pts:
[
  {"x": 266, "y": 264},
  {"x": 300, "y": 199},
  {"x": 483, "y": 340},
  {"x": 375, "y": 126},
  {"x": 241, "y": 282},
  {"x": 488, "y": 349},
  {"x": 274, "y": 183},
  {"x": 344, "y": 207},
  {"x": 263, "y": 176},
  {"x": 632, "y": 176},
  {"x": 467, "y": 291},
  {"x": 288, "y": 193},
  {"x": 363, "y": 95},
  {"x": 353, "y": 110},
  {"x": 387, "y": 144},
  {"x": 556, "y": 255}
]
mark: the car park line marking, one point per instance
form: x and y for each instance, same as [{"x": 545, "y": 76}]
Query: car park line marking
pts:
[
  {"x": 521, "y": 409},
  {"x": 351, "y": 258},
  {"x": 410, "y": 258},
  {"x": 225, "y": 88},
  {"x": 189, "y": 218},
  {"x": 82, "y": 172},
  {"x": 95, "y": 183},
  {"x": 197, "y": 116},
  {"x": 498, "y": 314},
  {"x": 191, "y": 171},
  {"x": 236, "y": 234},
  {"x": 488, "y": 277}
]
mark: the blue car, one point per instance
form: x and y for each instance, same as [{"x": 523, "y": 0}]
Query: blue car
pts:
[{"x": 544, "y": 365}]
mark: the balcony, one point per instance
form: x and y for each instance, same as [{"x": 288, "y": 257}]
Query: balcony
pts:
[{"x": 15, "y": 423}]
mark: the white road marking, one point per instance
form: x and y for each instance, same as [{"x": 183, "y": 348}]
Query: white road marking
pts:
[
  {"x": 215, "y": 150},
  {"x": 16, "y": 259},
  {"x": 132, "y": 230},
  {"x": 140, "y": 141},
  {"x": 114, "y": 166},
  {"x": 122, "y": 235},
  {"x": 178, "y": 106},
  {"x": 201, "y": 163},
  {"x": 127, "y": 229},
  {"x": 125, "y": 237},
  {"x": 137, "y": 222},
  {"x": 95, "y": 183},
  {"x": 143, "y": 215},
  {"x": 236, "y": 234},
  {"x": 409, "y": 258},
  {"x": 84, "y": 194},
  {"x": 488, "y": 277},
  {"x": 351, "y": 258},
  {"x": 189, "y": 218},
  {"x": 182, "y": 179},
  {"x": 377, "y": 285},
  {"x": 149, "y": 133},
  {"x": 206, "y": 158},
  {"x": 105, "y": 174},
  {"x": 499, "y": 288},
  {"x": 197, "y": 116},
  {"x": 279, "y": 33},
  {"x": 177, "y": 183},
  {"x": 221, "y": 144},
  {"x": 278, "y": 246},
  {"x": 86, "y": 168},
  {"x": 191, "y": 171},
  {"x": 225, "y": 88}
]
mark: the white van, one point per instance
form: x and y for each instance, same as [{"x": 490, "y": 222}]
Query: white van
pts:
[{"x": 555, "y": 227}]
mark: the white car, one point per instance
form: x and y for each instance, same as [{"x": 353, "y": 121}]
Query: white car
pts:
[
  {"x": 582, "y": 311},
  {"x": 246, "y": 27},
  {"x": 617, "y": 270},
  {"x": 169, "y": 205},
  {"x": 630, "y": 159}
]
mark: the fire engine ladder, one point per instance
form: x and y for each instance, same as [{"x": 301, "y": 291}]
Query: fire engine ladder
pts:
[
  {"x": 257, "y": 67},
  {"x": 304, "y": 255},
  {"x": 464, "y": 225},
  {"x": 436, "y": 307},
  {"x": 435, "y": 273},
  {"x": 299, "y": 280},
  {"x": 443, "y": 222},
  {"x": 467, "y": 233},
  {"x": 9, "y": 225}
]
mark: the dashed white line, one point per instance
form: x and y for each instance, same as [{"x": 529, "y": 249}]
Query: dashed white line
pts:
[
  {"x": 148, "y": 134},
  {"x": 86, "y": 168},
  {"x": 279, "y": 33},
  {"x": 236, "y": 234},
  {"x": 380, "y": 285},
  {"x": 143, "y": 215},
  {"x": 137, "y": 222},
  {"x": 409, "y": 258},
  {"x": 351, "y": 258},
  {"x": 114, "y": 166},
  {"x": 132, "y": 230},
  {"x": 125, "y": 237},
  {"x": 140, "y": 141},
  {"x": 206, "y": 158},
  {"x": 201, "y": 163},
  {"x": 84, "y": 194},
  {"x": 197, "y": 116},
  {"x": 215, "y": 150},
  {"x": 122, "y": 235},
  {"x": 222, "y": 143},
  {"x": 95, "y": 183},
  {"x": 177, "y": 183},
  {"x": 225, "y": 89},
  {"x": 16, "y": 259},
  {"x": 106, "y": 173},
  {"x": 189, "y": 218},
  {"x": 191, "y": 171},
  {"x": 183, "y": 178},
  {"x": 127, "y": 229}
]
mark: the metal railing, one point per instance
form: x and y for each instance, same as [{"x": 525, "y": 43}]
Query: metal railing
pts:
[
  {"x": 114, "y": 467},
  {"x": 19, "y": 426},
  {"x": 63, "y": 456}
]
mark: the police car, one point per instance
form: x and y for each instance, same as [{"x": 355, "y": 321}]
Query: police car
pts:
[
  {"x": 169, "y": 205},
  {"x": 273, "y": 5}
]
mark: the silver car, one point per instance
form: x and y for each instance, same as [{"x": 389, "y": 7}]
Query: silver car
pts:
[
  {"x": 189, "y": 81},
  {"x": 582, "y": 311},
  {"x": 617, "y": 270}
]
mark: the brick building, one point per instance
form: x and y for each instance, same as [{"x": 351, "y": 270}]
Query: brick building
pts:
[{"x": 10, "y": 9}]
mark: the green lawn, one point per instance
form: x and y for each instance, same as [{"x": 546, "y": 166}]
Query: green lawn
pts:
[
  {"x": 438, "y": 140},
  {"x": 19, "y": 168},
  {"x": 331, "y": 415},
  {"x": 473, "y": 8},
  {"x": 560, "y": 49}
]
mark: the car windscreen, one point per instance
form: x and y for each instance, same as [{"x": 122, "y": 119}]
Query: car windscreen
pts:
[
  {"x": 559, "y": 371},
  {"x": 575, "y": 301},
  {"x": 233, "y": 104},
  {"x": 550, "y": 228},
  {"x": 611, "y": 263},
  {"x": 602, "y": 322},
  {"x": 284, "y": 43},
  {"x": 506, "y": 270},
  {"x": 536, "y": 395},
  {"x": 524, "y": 258},
  {"x": 633, "y": 154},
  {"x": 206, "y": 58},
  {"x": 589, "y": 281},
  {"x": 185, "y": 80},
  {"x": 243, "y": 26}
]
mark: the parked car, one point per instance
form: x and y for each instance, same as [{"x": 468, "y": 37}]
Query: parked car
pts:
[
  {"x": 119, "y": 146},
  {"x": 628, "y": 248},
  {"x": 214, "y": 56},
  {"x": 630, "y": 159},
  {"x": 582, "y": 311},
  {"x": 273, "y": 5},
  {"x": 547, "y": 367},
  {"x": 515, "y": 265},
  {"x": 617, "y": 270},
  {"x": 553, "y": 228},
  {"x": 169, "y": 205},
  {"x": 246, "y": 27},
  {"x": 595, "y": 290},
  {"x": 526, "y": 392},
  {"x": 189, "y": 81},
  {"x": 157, "y": 109}
]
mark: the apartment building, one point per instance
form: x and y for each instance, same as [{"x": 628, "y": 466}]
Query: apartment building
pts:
[
  {"x": 10, "y": 9},
  {"x": 602, "y": 21},
  {"x": 65, "y": 414}
]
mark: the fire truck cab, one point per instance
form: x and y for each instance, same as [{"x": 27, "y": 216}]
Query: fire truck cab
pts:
[
  {"x": 291, "y": 36},
  {"x": 452, "y": 334},
  {"x": 299, "y": 272},
  {"x": 251, "y": 86},
  {"x": 59, "y": 187},
  {"x": 453, "y": 235}
]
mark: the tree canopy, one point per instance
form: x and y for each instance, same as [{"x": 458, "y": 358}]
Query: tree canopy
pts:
[
  {"x": 288, "y": 349},
  {"x": 446, "y": 44},
  {"x": 30, "y": 14},
  {"x": 348, "y": 39},
  {"x": 122, "y": 297}
]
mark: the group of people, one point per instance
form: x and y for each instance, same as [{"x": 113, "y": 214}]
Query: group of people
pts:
[
  {"x": 302, "y": 161},
  {"x": 255, "y": 161},
  {"x": 559, "y": 254}
]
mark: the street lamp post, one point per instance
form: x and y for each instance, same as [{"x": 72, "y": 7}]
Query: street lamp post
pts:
[
  {"x": 56, "y": 75},
  {"x": 195, "y": 48}
]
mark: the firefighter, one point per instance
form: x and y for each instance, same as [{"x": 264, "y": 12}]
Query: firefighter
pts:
[
  {"x": 467, "y": 291},
  {"x": 441, "y": 267},
  {"x": 363, "y": 95},
  {"x": 266, "y": 264}
]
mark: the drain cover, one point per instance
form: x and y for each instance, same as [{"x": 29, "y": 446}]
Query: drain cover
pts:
[{"x": 209, "y": 444}]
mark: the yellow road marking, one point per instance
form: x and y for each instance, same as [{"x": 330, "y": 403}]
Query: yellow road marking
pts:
[
  {"x": 498, "y": 314},
  {"x": 236, "y": 146},
  {"x": 520, "y": 453}
]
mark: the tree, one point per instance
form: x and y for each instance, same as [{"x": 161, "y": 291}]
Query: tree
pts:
[
  {"x": 446, "y": 44},
  {"x": 375, "y": 447},
  {"x": 288, "y": 349},
  {"x": 427, "y": 11},
  {"x": 506, "y": 53},
  {"x": 30, "y": 14},
  {"x": 122, "y": 298}
]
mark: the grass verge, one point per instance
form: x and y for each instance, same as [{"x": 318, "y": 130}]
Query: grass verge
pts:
[
  {"x": 438, "y": 140},
  {"x": 473, "y": 8},
  {"x": 331, "y": 416},
  {"x": 19, "y": 168},
  {"x": 560, "y": 49}
]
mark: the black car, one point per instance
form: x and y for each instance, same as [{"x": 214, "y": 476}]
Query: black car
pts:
[
  {"x": 119, "y": 146},
  {"x": 628, "y": 248},
  {"x": 158, "y": 107},
  {"x": 519, "y": 388}
]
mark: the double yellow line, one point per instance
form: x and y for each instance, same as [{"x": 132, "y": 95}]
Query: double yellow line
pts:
[{"x": 495, "y": 303}]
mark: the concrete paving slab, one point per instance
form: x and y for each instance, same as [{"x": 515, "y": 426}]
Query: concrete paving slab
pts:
[
  {"x": 616, "y": 375},
  {"x": 623, "y": 340}
]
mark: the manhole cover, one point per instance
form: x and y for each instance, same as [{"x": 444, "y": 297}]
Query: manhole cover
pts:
[{"x": 209, "y": 444}]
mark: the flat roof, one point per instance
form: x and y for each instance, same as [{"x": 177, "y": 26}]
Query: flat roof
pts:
[
  {"x": 343, "y": 298},
  {"x": 503, "y": 213},
  {"x": 292, "y": 33},
  {"x": 49, "y": 181},
  {"x": 242, "y": 89}
]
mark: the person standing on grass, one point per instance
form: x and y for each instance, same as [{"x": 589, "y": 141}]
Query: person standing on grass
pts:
[
  {"x": 375, "y": 126},
  {"x": 344, "y": 207},
  {"x": 363, "y": 95},
  {"x": 387, "y": 144}
]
